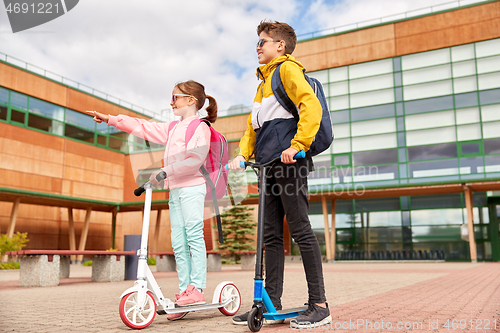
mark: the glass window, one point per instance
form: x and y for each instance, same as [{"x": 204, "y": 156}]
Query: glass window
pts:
[
  {"x": 465, "y": 100},
  {"x": 433, "y": 168},
  {"x": 402, "y": 171},
  {"x": 340, "y": 116},
  {"x": 467, "y": 116},
  {"x": 47, "y": 109},
  {"x": 338, "y": 74},
  {"x": 430, "y": 136},
  {"x": 338, "y": 103},
  {"x": 375, "y": 157},
  {"x": 341, "y": 160},
  {"x": 401, "y": 124},
  {"x": 374, "y": 172},
  {"x": 371, "y": 83},
  {"x": 487, "y": 65},
  {"x": 431, "y": 152},
  {"x": 474, "y": 164},
  {"x": 397, "y": 64},
  {"x": 372, "y": 112},
  {"x": 464, "y": 84},
  {"x": 488, "y": 48},
  {"x": 470, "y": 148},
  {"x": 398, "y": 80},
  {"x": 399, "y": 94},
  {"x": 401, "y": 139},
  {"x": 379, "y": 204},
  {"x": 118, "y": 144},
  {"x": 436, "y": 216},
  {"x": 468, "y": 132},
  {"x": 488, "y": 81},
  {"x": 437, "y": 201},
  {"x": 399, "y": 109},
  {"x": 322, "y": 76},
  {"x": 492, "y": 163},
  {"x": 340, "y": 174},
  {"x": 491, "y": 130},
  {"x": 78, "y": 133},
  {"x": 426, "y": 59},
  {"x": 17, "y": 116},
  {"x": 80, "y": 120},
  {"x": 378, "y": 126},
  {"x": 4, "y": 96},
  {"x": 436, "y": 234},
  {"x": 342, "y": 130},
  {"x": 402, "y": 154},
  {"x": 490, "y": 112},
  {"x": 370, "y": 68},
  {"x": 462, "y": 52},
  {"x": 3, "y": 112},
  {"x": 426, "y": 90},
  {"x": 466, "y": 68},
  {"x": 429, "y": 120},
  {"x": 429, "y": 104},
  {"x": 491, "y": 146},
  {"x": 44, "y": 124},
  {"x": 341, "y": 146},
  {"x": 102, "y": 127},
  {"x": 489, "y": 96},
  {"x": 435, "y": 73},
  {"x": 18, "y": 100},
  {"x": 374, "y": 142},
  {"x": 385, "y": 219},
  {"x": 338, "y": 88},
  {"x": 372, "y": 98}
]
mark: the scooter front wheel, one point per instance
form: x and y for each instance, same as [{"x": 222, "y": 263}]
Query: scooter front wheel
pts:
[
  {"x": 254, "y": 323},
  {"x": 130, "y": 314},
  {"x": 228, "y": 291}
]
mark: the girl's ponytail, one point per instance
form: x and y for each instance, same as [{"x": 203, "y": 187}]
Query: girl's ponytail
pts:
[{"x": 211, "y": 109}]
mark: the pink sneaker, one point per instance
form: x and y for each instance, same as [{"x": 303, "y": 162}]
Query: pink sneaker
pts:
[
  {"x": 176, "y": 316},
  {"x": 191, "y": 296}
]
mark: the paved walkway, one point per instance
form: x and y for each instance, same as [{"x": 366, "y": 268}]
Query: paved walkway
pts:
[{"x": 363, "y": 297}]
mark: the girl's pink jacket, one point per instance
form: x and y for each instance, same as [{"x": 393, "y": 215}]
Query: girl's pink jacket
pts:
[{"x": 182, "y": 163}]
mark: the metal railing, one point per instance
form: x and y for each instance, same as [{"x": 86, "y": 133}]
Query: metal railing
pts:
[
  {"x": 76, "y": 85},
  {"x": 390, "y": 18}
]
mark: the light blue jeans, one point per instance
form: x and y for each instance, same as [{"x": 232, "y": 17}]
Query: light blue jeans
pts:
[{"x": 188, "y": 242}]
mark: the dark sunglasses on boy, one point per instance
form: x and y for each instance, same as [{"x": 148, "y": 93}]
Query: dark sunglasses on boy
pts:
[{"x": 261, "y": 42}]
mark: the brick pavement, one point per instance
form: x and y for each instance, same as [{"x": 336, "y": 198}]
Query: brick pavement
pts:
[{"x": 394, "y": 293}]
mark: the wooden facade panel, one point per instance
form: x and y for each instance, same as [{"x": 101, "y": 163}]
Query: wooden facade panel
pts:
[
  {"x": 29, "y": 181},
  {"x": 29, "y": 166},
  {"x": 456, "y": 18},
  {"x": 33, "y": 85},
  {"x": 93, "y": 152},
  {"x": 90, "y": 191},
  {"x": 31, "y": 137},
  {"x": 36, "y": 153},
  {"x": 232, "y": 127},
  {"x": 448, "y": 37}
]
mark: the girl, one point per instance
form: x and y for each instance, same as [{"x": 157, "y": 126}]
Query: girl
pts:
[{"x": 186, "y": 183}]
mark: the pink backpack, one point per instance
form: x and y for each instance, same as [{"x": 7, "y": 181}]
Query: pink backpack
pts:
[{"x": 213, "y": 169}]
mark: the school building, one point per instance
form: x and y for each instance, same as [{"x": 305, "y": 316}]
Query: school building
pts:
[{"x": 413, "y": 173}]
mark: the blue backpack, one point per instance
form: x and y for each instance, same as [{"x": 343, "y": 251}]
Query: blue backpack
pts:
[{"x": 324, "y": 137}]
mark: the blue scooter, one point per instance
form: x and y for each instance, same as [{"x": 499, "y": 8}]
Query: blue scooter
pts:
[{"x": 263, "y": 307}]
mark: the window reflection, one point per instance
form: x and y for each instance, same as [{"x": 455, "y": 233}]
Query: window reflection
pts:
[
  {"x": 375, "y": 157},
  {"x": 433, "y": 168},
  {"x": 430, "y": 152},
  {"x": 46, "y": 109},
  {"x": 4, "y": 96},
  {"x": 18, "y": 100},
  {"x": 429, "y": 104},
  {"x": 492, "y": 146},
  {"x": 3, "y": 112},
  {"x": 372, "y": 112},
  {"x": 437, "y": 216}
]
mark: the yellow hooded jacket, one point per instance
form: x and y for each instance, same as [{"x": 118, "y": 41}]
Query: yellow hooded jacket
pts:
[{"x": 271, "y": 128}]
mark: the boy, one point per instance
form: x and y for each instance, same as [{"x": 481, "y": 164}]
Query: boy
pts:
[{"x": 272, "y": 131}]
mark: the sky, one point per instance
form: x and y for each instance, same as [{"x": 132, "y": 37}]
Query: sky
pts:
[{"x": 138, "y": 50}]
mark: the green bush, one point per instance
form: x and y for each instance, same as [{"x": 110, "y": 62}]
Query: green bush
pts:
[
  {"x": 10, "y": 265},
  {"x": 14, "y": 243},
  {"x": 152, "y": 261},
  {"x": 87, "y": 263}
]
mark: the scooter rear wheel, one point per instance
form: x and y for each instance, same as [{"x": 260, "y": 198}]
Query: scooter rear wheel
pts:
[
  {"x": 228, "y": 291},
  {"x": 254, "y": 323},
  {"x": 129, "y": 311}
]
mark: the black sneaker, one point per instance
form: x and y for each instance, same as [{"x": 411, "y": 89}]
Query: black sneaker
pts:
[
  {"x": 314, "y": 316},
  {"x": 242, "y": 319}
]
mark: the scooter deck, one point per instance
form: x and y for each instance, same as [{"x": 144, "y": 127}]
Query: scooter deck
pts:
[
  {"x": 283, "y": 314},
  {"x": 195, "y": 307}
]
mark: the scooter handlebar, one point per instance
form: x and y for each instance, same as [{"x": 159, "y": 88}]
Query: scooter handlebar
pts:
[
  {"x": 159, "y": 177},
  {"x": 243, "y": 164}
]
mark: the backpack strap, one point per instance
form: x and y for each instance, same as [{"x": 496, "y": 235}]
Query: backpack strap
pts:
[{"x": 281, "y": 95}]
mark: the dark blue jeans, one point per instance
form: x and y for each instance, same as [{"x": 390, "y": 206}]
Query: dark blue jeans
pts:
[{"x": 286, "y": 195}]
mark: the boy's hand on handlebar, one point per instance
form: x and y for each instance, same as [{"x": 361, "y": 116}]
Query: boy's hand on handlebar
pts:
[
  {"x": 235, "y": 163},
  {"x": 288, "y": 154},
  {"x": 98, "y": 117}
]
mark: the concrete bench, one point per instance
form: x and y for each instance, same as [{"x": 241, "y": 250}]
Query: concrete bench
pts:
[
  {"x": 165, "y": 261},
  {"x": 247, "y": 260},
  {"x": 44, "y": 268}
]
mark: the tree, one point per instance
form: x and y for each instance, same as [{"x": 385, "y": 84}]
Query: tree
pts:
[
  {"x": 237, "y": 226},
  {"x": 14, "y": 243}
]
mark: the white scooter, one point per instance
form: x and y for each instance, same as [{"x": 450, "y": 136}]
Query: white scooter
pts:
[{"x": 144, "y": 300}]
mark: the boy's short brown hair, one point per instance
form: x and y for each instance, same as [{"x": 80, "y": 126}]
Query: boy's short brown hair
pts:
[{"x": 281, "y": 31}]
